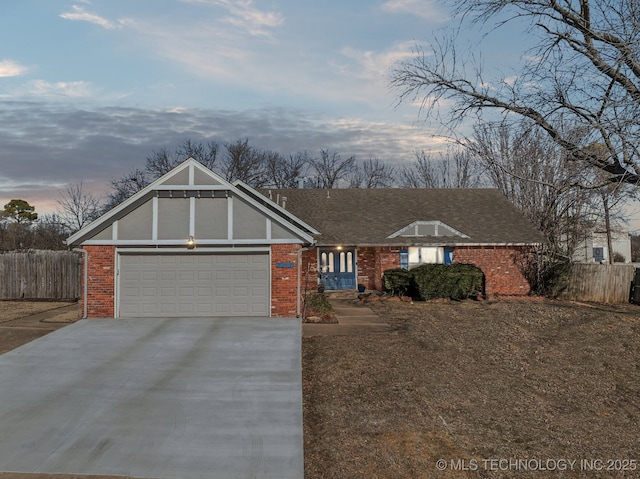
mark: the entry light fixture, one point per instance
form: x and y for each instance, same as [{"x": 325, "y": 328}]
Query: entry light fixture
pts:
[{"x": 191, "y": 243}]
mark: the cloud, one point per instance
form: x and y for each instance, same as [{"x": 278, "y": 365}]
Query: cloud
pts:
[
  {"x": 51, "y": 144},
  {"x": 244, "y": 15},
  {"x": 9, "y": 68},
  {"x": 79, "y": 14},
  {"x": 426, "y": 9},
  {"x": 376, "y": 64},
  {"x": 43, "y": 88}
]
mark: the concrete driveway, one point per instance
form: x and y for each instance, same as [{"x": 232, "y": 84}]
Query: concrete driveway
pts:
[{"x": 159, "y": 398}]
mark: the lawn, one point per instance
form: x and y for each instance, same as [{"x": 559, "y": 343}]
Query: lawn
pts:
[{"x": 493, "y": 389}]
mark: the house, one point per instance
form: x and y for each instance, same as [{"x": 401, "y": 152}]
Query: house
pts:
[
  {"x": 363, "y": 232},
  {"x": 193, "y": 244},
  {"x": 593, "y": 247}
]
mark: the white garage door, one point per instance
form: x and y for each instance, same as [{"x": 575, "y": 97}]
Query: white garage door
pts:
[{"x": 194, "y": 285}]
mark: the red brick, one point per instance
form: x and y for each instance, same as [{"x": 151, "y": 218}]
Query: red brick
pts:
[
  {"x": 101, "y": 283},
  {"x": 284, "y": 281},
  {"x": 503, "y": 267}
]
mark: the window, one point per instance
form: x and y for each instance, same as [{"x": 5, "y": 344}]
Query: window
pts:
[
  {"x": 598, "y": 254},
  {"x": 326, "y": 263},
  {"x": 417, "y": 255},
  {"x": 404, "y": 259}
]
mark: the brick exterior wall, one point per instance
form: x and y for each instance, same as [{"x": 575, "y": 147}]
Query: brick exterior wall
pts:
[
  {"x": 388, "y": 258},
  {"x": 502, "y": 266},
  {"x": 284, "y": 281},
  {"x": 101, "y": 284},
  {"x": 372, "y": 262}
]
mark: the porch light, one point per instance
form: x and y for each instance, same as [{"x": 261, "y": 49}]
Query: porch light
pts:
[
  {"x": 339, "y": 248},
  {"x": 191, "y": 243}
]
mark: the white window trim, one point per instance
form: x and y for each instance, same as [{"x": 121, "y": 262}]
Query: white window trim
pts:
[{"x": 416, "y": 224}]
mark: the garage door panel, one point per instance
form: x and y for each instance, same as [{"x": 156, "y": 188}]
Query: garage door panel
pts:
[{"x": 194, "y": 285}]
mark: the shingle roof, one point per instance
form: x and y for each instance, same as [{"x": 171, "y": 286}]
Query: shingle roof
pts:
[{"x": 369, "y": 216}]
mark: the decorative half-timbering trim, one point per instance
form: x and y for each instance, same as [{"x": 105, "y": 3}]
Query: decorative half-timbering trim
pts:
[
  {"x": 159, "y": 189},
  {"x": 440, "y": 229}
]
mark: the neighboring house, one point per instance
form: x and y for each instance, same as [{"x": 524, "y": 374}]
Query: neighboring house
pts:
[
  {"x": 593, "y": 248},
  {"x": 192, "y": 244}
]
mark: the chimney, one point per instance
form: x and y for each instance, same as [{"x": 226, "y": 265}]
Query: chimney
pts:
[
  {"x": 301, "y": 181},
  {"x": 284, "y": 202}
]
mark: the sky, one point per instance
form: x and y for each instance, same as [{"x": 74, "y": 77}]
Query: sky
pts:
[{"x": 90, "y": 88}]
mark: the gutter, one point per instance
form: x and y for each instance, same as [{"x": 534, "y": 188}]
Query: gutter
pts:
[
  {"x": 85, "y": 293},
  {"x": 406, "y": 245}
]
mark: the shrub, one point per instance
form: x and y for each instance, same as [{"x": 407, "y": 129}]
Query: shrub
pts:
[
  {"x": 554, "y": 279},
  {"x": 454, "y": 281},
  {"x": 398, "y": 282},
  {"x": 317, "y": 303},
  {"x": 618, "y": 258}
]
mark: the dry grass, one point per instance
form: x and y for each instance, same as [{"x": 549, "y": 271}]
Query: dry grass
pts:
[
  {"x": 24, "y": 321},
  {"x": 10, "y": 310},
  {"x": 469, "y": 381}
]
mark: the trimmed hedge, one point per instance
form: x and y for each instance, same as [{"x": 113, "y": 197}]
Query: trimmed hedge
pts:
[
  {"x": 430, "y": 281},
  {"x": 399, "y": 282}
]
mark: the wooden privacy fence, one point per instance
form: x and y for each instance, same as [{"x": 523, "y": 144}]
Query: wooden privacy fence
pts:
[
  {"x": 41, "y": 275},
  {"x": 600, "y": 283}
]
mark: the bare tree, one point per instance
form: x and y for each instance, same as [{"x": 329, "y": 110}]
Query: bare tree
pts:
[
  {"x": 286, "y": 172},
  {"x": 583, "y": 73},
  {"x": 538, "y": 177},
  {"x": 246, "y": 163},
  {"x": 50, "y": 233},
  {"x": 457, "y": 168},
  {"x": 78, "y": 207},
  {"x": 330, "y": 170},
  {"x": 126, "y": 186},
  {"x": 162, "y": 161},
  {"x": 373, "y": 173}
]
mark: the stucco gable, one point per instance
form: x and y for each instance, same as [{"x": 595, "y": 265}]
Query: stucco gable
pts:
[{"x": 191, "y": 201}]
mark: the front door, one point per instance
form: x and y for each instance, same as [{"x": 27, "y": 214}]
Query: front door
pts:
[{"x": 338, "y": 268}]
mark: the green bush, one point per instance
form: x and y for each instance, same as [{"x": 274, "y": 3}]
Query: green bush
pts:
[
  {"x": 454, "y": 281},
  {"x": 430, "y": 281},
  {"x": 398, "y": 282}
]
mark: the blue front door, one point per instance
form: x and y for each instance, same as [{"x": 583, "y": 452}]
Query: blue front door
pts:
[{"x": 338, "y": 268}]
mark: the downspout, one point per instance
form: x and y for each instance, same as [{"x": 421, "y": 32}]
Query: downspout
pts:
[
  {"x": 298, "y": 306},
  {"x": 85, "y": 286}
]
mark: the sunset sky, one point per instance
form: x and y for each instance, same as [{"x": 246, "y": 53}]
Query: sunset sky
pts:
[{"x": 89, "y": 89}]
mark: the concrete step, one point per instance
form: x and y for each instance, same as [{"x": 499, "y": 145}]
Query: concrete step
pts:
[{"x": 342, "y": 294}]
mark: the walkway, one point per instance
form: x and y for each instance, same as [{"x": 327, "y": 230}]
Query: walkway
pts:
[{"x": 354, "y": 318}]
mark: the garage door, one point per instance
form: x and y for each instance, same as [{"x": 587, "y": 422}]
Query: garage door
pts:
[{"x": 194, "y": 285}]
